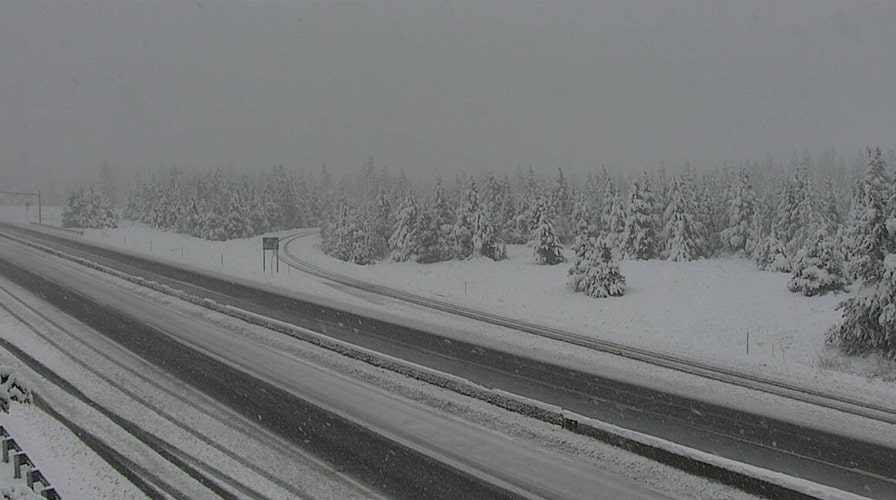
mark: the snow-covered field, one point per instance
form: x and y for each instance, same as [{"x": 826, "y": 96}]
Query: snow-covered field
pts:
[
  {"x": 705, "y": 309},
  {"x": 721, "y": 311}
]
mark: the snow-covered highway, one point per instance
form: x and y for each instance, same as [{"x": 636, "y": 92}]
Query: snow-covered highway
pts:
[
  {"x": 480, "y": 462},
  {"x": 819, "y": 454}
]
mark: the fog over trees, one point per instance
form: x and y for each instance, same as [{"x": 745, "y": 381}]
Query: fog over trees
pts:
[{"x": 592, "y": 132}]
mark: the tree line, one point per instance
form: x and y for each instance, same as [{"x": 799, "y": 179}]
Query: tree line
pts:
[{"x": 826, "y": 222}]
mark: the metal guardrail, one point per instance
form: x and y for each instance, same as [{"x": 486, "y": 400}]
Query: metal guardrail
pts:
[
  {"x": 24, "y": 466},
  {"x": 77, "y": 232},
  {"x": 705, "y": 370}
]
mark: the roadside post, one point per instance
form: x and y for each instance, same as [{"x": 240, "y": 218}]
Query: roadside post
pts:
[
  {"x": 272, "y": 243},
  {"x": 40, "y": 219}
]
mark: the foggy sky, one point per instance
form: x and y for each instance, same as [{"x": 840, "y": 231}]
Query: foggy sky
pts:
[{"x": 439, "y": 86}]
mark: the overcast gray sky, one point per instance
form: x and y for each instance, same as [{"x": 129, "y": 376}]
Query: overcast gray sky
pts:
[{"x": 439, "y": 86}]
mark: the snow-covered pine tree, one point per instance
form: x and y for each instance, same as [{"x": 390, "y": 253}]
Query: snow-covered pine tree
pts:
[
  {"x": 301, "y": 200},
  {"x": 334, "y": 239},
  {"x": 741, "y": 205},
  {"x": 818, "y": 266},
  {"x": 659, "y": 209},
  {"x": 465, "y": 223},
  {"x": 562, "y": 205},
  {"x": 869, "y": 318},
  {"x": 430, "y": 247},
  {"x": 794, "y": 209},
  {"x": 682, "y": 232},
  {"x": 443, "y": 220},
  {"x": 492, "y": 197},
  {"x": 211, "y": 222},
  {"x": 379, "y": 225},
  {"x": 403, "y": 241},
  {"x": 365, "y": 244},
  {"x": 584, "y": 242},
  {"x": 865, "y": 233},
  {"x": 771, "y": 255},
  {"x": 548, "y": 249},
  {"x": 518, "y": 228},
  {"x": 259, "y": 213},
  {"x": 594, "y": 194},
  {"x": 709, "y": 209},
  {"x": 88, "y": 207},
  {"x": 829, "y": 205},
  {"x": 512, "y": 232},
  {"x": 269, "y": 201},
  {"x": 582, "y": 221},
  {"x": 639, "y": 237},
  {"x": 236, "y": 218},
  {"x": 756, "y": 233},
  {"x": 485, "y": 238},
  {"x": 599, "y": 276},
  {"x": 613, "y": 221}
]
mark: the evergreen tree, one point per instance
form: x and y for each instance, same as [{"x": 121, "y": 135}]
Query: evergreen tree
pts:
[
  {"x": 236, "y": 218},
  {"x": 741, "y": 208},
  {"x": 865, "y": 234},
  {"x": 756, "y": 233},
  {"x": 818, "y": 266},
  {"x": 613, "y": 222},
  {"x": 770, "y": 254},
  {"x": 869, "y": 318},
  {"x": 403, "y": 241},
  {"x": 211, "y": 224},
  {"x": 547, "y": 245},
  {"x": 380, "y": 227},
  {"x": 795, "y": 213},
  {"x": 581, "y": 220},
  {"x": 514, "y": 230},
  {"x": 584, "y": 242},
  {"x": 430, "y": 245},
  {"x": 258, "y": 215},
  {"x": 599, "y": 275},
  {"x": 682, "y": 231},
  {"x": 485, "y": 240},
  {"x": 492, "y": 201},
  {"x": 829, "y": 205},
  {"x": 639, "y": 237},
  {"x": 88, "y": 207},
  {"x": 465, "y": 223},
  {"x": 562, "y": 205},
  {"x": 443, "y": 220},
  {"x": 336, "y": 235}
]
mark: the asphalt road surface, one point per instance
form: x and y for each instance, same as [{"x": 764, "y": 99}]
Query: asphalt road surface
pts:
[
  {"x": 826, "y": 458},
  {"x": 404, "y": 449}
]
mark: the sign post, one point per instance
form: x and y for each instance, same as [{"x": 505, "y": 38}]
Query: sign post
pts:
[
  {"x": 270, "y": 244},
  {"x": 40, "y": 219}
]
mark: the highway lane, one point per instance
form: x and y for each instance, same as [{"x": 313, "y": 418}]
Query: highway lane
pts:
[
  {"x": 89, "y": 378},
  {"x": 826, "y": 458},
  {"x": 425, "y": 453}
]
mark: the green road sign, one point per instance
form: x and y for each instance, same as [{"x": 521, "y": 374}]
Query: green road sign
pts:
[{"x": 270, "y": 243}]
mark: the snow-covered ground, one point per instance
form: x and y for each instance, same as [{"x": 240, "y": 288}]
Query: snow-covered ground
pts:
[
  {"x": 722, "y": 311},
  {"x": 73, "y": 469},
  {"x": 533, "y": 434}
]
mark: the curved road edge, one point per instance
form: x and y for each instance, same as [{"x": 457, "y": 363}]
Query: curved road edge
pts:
[
  {"x": 753, "y": 382},
  {"x": 746, "y": 477}
]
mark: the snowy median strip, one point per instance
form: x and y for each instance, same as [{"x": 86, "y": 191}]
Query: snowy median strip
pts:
[{"x": 747, "y": 477}]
